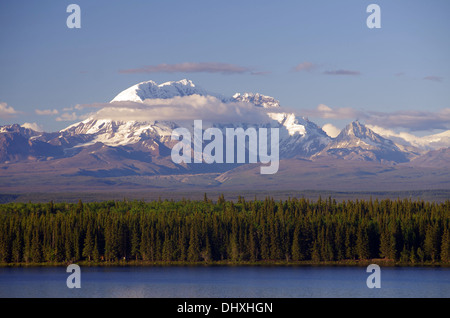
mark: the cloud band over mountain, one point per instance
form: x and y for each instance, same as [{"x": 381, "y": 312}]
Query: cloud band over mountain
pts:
[
  {"x": 410, "y": 119},
  {"x": 210, "y": 108},
  {"x": 186, "y": 108}
]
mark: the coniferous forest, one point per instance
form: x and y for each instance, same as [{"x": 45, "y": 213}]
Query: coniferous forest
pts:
[{"x": 245, "y": 231}]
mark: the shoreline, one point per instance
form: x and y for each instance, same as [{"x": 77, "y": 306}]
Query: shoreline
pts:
[{"x": 129, "y": 263}]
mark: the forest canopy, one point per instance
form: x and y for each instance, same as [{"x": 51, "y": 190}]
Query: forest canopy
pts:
[{"x": 203, "y": 231}]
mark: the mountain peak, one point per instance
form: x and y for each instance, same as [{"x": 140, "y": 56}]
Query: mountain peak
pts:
[
  {"x": 151, "y": 90},
  {"x": 357, "y": 142},
  {"x": 19, "y": 129},
  {"x": 183, "y": 82},
  {"x": 257, "y": 99},
  {"x": 356, "y": 134},
  {"x": 357, "y": 130}
]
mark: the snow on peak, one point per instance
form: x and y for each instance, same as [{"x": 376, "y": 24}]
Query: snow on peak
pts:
[
  {"x": 297, "y": 133},
  {"x": 428, "y": 142},
  {"x": 257, "y": 99},
  {"x": 184, "y": 82},
  {"x": 356, "y": 134},
  {"x": 118, "y": 133},
  {"x": 358, "y": 130},
  {"x": 152, "y": 90}
]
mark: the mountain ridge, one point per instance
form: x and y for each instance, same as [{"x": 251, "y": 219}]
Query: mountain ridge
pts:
[
  {"x": 357, "y": 142},
  {"x": 107, "y": 153}
]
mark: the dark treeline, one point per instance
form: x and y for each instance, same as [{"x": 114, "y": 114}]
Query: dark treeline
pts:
[{"x": 244, "y": 231}]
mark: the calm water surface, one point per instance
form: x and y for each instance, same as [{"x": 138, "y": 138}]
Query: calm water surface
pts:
[{"x": 224, "y": 282}]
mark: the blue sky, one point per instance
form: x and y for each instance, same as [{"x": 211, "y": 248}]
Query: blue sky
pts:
[{"x": 399, "y": 71}]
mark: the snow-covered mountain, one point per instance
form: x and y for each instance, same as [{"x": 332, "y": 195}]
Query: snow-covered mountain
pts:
[
  {"x": 119, "y": 133},
  {"x": 19, "y": 143},
  {"x": 257, "y": 100},
  {"x": 151, "y": 90},
  {"x": 298, "y": 136},
  {"x": 357, "y": 142},
  {"x": 105, "y": 154},
  {"x": 410, "y": 141}
]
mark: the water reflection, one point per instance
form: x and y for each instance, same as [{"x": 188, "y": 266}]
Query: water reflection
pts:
[{"x": 223, "y": 282}]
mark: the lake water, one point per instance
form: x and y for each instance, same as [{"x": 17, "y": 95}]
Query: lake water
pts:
[{"x": 225, "y": 282}]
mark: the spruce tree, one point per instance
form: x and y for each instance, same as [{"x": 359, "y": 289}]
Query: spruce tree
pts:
[
  {"x": 194, "y": 246},
  {"x": 296, "y": 248},
  {"x": 445, "y": 245},
  {"x": 88, "y": 248}
]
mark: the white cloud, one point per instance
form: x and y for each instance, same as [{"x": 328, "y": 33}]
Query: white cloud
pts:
[
  {"x": 389, "y": 133},
  {"x": 324, "y": 108},
  {"x": 324, "y": 111},
  {"x": 331, "y": 130},
  {"x": 7, "y": 111},
  {"x": 47, "y": 111},
  {"x": 428, "y": 142},
  {"x": 68, "y": 117},
  {"x": 410, "y": 119},
  {"x": 33, "y": 126},
  {"x": 186, "y": 108}
]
